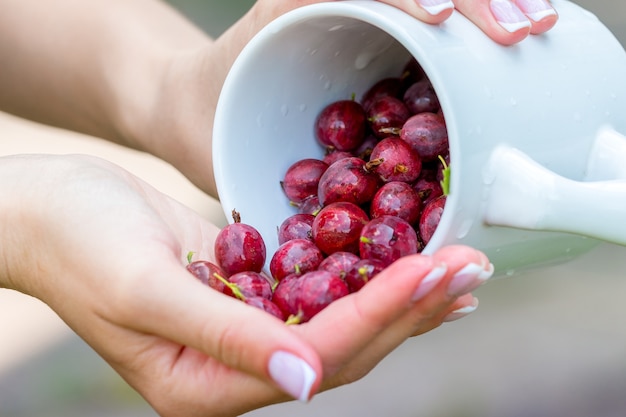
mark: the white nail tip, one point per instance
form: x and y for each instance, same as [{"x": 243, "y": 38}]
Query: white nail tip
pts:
[
  {"x": 435, "y": 9},
  {"x": 538, "y": 16},
  {"x": 293, "y": 374},
  {"x": 514, "y": 27}
]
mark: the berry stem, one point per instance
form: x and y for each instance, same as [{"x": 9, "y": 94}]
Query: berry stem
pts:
[
  {"x": 236, "y": 216},
  {"x": 190, "y": 256},
  {"x": 233, "y": 287},
  {"x": 445, "y": 182},
  {"x": 294, "y": 319}
]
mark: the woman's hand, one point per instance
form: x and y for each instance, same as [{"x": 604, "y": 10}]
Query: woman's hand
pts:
[
  {"x": 107, "y": 252},
  {"x": 505, "y": 21}
]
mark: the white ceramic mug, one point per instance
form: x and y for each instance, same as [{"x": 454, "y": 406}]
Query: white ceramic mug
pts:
[{"x": 536, "y": 157}]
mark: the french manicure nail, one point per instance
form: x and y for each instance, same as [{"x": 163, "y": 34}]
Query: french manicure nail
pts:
[
  {"x": 434, "y": 7},
  {"x": 509, "y": 16},
  {"x": 461, "y": 312},
  {"x": 536, "y": 10},
  {"x": 429, "y": 282},
  {"x": 292, "y": 374},
  {"x": 468, "y": 279}
]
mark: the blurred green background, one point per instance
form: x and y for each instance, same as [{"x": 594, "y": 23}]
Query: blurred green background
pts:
[{"x": 550, "y": 345}]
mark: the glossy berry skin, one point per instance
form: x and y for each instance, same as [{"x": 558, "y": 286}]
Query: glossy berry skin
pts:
[
  {"x": 334, "y": 156},
  {"x": 339, "y": 263},
  {"x": 341, "y": 125},
  {"x": 284, "y": 296},
  {"x": 348, "y": 180},
  {"x": 386, "y": 116},
  {"x": 362, "y": 272},
  {"x": 310, "y": 205},
  {"x": 240, "y": 247},
  {"x": 399, "y": 199},
  {"x": 301, "y": 179},
  {"x": 250, "y": 284},
  {"x": 297, "y": 226},
  {"x": 337, "y": 227},
  {"x": 427, "y": 134},
  {"x": 296, "y": 256},
  {"x": 421, "y": 97},
  {"x": 388, "y": 238},
  {"x": 316, "y": 290},
  {"x": 428, "y": 189},
  {"x": 398, "y": 160},
  {"x": 429, "y": 220},
  {"x": 204, "y": 271},
  {"x": 365, "y": 150},
  {"x": 386, "y": 87},
  {"x": 266, "y": 305}
]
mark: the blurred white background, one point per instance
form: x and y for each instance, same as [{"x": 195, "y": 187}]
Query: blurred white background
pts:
[{"x": 546, "y": 344}]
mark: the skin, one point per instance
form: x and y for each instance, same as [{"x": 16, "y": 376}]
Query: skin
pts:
[{"x": 107, "y": 251}]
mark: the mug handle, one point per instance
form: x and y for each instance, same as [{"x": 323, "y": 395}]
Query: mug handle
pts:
[{"x": 523, "y": 194}]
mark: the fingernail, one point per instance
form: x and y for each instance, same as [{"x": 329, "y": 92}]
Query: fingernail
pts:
[
  {"x": 509, "y": 16},
  {"x": 536, "y": 10},
  {"x": 468, "y": 279},
  {"x": 434, "y": 7},
  {"x": 429, "y": 282},
  {"x": 292, "y": 374},
  {"x": 462, "y": 312}
]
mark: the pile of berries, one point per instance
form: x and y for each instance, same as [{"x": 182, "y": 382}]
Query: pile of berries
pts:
[{"x": 377, "y": 195}]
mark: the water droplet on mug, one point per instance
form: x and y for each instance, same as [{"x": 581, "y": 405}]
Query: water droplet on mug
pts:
[
  {"x": 363, "y": 60},
  {"x": 510, "y": 272},
  {"x": 335, "y": 28},
  {"x": 327, "y": 86},
  {"x": 259, "y": 120},
  {"x": 312, "y": 52},
  {"x": 337, "y": 53},
  {"x": 284, "y": 110},
  {"x": 513, "y": 102},
  {"x": 302, "y": 107}
]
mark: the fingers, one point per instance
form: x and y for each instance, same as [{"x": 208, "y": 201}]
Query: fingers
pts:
[
  {"x": 505, "y": 21},
  {"x": 177, "y": 307},
  {"x": 411, "y": 296},
  {"x": 541, "y": 14},
  {"x": 508, "y": 22}
]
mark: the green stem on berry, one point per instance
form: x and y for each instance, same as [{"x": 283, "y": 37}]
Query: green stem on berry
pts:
[
  {"x": 233, "y": 287},
  {"x": 294, "y": 319},
  {"x": 445, "y": 182},
  {"x": 363, "y": 273},
  {"x": 190, "y": 256}
]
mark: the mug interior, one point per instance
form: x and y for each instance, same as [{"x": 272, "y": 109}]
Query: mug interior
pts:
[{"x": 278, "y": 88}]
